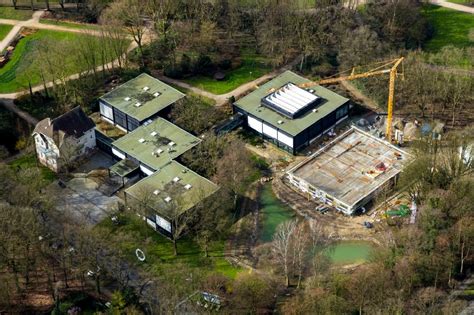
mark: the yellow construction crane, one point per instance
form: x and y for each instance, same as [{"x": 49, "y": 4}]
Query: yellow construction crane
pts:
[{"x": 386, "y": 67}]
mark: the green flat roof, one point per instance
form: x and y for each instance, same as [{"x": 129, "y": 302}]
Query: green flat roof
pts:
[
  {"x": 140, "y": 143},
  {"x": 134, "y": 89},
  {"x": 251, "y": 104},
  {"x": 162, "y": 182}
]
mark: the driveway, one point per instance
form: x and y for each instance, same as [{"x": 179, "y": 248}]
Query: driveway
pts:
[{"x": 83, "y": 202}]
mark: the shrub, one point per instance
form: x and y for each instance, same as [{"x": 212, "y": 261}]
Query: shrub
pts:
[
  {"x": 185, "y": 64},
  {"x": 203, "y": 65}
]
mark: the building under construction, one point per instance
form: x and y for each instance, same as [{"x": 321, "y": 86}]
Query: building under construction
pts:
[{"x": 349, "y": 171}]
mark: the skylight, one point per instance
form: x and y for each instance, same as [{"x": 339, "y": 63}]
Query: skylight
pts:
[
  {"x": 154, "y": 133},
  {"x": 187, "y": 186},
  {"x": 156, "y": 94},
  {"x": 138, "y": 104},
  {"x": 168, "y": 199},
  {"x": 171, "y": 144},
  {"x": 176, "y": 179},
  {"x": 127, "y": 99},
  {"x": 290, "y": 100},
  {"x": 156, "y": 192},
  {"x": 141, "y": 140},
  {"x": 146, "y": 88}
]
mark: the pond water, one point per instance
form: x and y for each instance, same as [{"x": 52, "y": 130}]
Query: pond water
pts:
[
  {"x": 349, "y": 252},
  {"x": 273, "y": 212}
]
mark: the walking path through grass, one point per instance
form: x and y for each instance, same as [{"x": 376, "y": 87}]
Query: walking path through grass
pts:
[
  {"x": 221, "y": 99},
  {"x": 454, "y": 6},
  {"x": 18, "y": 25}
]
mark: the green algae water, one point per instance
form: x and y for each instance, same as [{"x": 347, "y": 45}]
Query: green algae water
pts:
[
  {"x": 349, "y": 252},
  {"x": 274, "y": 212}
]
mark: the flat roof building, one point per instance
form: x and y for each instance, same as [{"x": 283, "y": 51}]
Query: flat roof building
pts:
[
  {"x": 173, "y": 189},
  {"x": 349, "y": 171},
  {"x": 154, "y": 145},
  {"x": 289, "y": 116},
  {"x": 137, "y": 101}
]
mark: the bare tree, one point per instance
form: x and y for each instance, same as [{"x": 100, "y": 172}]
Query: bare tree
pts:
[
  {"x": 69, "y": 151},
  {"x": 281, "y": 247},
  {"x": 129, "y": 15},
  {"x": 300, "y": 243},
  {"x": 234, "y": 169}
]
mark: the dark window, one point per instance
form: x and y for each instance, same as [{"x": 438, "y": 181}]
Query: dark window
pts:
[
  {"x": 120, "y": 118},
  {"x": 341, "y": 112},
  {"x": 132, "y": 124}
]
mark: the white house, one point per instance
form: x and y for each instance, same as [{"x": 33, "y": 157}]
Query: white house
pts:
[{"x": 68, "y": 136}]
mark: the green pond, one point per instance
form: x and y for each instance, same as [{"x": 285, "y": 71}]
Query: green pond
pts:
[
  {"x": 274, "y": 212},
  {"x": 349, "y": 252}
]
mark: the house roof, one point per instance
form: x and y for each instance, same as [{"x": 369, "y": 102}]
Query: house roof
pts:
[
  {"x": 252, "y": 104},
  {"x": 157, "y": 143},
  {"x": 73, "y": 123},
  {"x": 173, "y": 189},
  {"x": 151, "y": 94}
]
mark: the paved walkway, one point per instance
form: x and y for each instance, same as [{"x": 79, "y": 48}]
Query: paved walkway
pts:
[
  {"x": 18, "y": 25},
  {"x": 454, "y": 6}
]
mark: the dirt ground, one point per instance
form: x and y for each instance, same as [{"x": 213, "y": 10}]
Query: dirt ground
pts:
[{"x": 339, "y": 225}]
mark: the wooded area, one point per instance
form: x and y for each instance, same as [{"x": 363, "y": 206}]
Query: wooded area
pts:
[{"x": 47, "y": 256}]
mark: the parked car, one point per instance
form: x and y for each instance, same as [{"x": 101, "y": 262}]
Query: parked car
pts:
[
  {"x": 322, "y": 209},
  {"x": 368, "y": 225}
]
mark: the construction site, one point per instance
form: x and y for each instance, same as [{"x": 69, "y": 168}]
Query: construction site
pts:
[{"x": 349, "y": 171}]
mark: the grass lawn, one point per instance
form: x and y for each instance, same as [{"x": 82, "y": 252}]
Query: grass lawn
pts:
[
  {"x": 4, "y": 30},
  {"x": 133, "y": 233},
  {"x": 12, "y": 14},
  {"x": 253, "y": 67},
  {"x": 29, "y": 161},
  {"x": 451, "y": 27},
  {"x": 70, "y": 24},
  {"x": 23, "y": 65}
]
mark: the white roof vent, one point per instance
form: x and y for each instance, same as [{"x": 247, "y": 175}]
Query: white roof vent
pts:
[
  {"x": 315, "y": 110},
  {"x": 280, "y": 122},
  {"x": 187, "y": 186},
  {"x": 138, "y": 104},
  {"x": 127, "y": 99},
  {"x": 156, "y": 192},
  {"x": 171, "y": 144},
  {"x": 141, "y": 140},
  {"x": 176, "y": 179},
  {"x": 154, "y": 133},
  {"x": 156, "y": 94},
  {"x": 168, "y": 199},
  {"x": 146, "y": 88}
]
